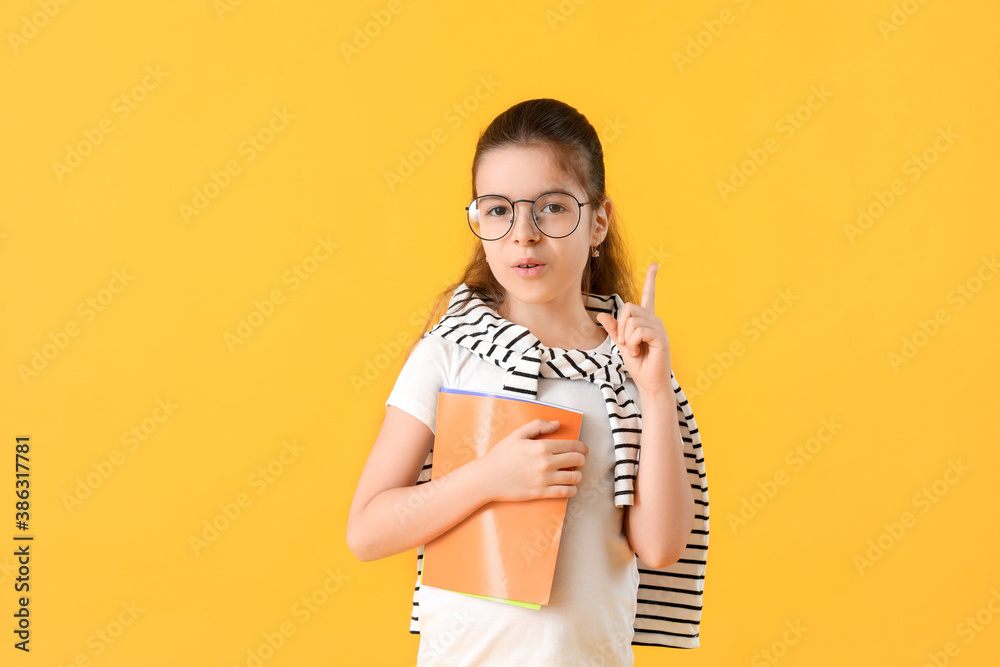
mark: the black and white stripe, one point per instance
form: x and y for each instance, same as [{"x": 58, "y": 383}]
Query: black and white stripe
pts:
[{"x": 670, "y": 598}]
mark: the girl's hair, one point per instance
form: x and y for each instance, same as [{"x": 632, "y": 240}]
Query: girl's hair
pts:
[{"x": 573, "y": 142}]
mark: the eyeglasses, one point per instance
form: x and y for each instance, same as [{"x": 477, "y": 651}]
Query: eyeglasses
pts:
[{"x": 556, "y": 214}]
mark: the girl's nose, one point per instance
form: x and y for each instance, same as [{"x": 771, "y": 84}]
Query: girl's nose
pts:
[{"x": 524, "y": 224}]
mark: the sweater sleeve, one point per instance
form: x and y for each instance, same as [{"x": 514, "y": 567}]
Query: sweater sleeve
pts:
[{"x": 423, "y": 375}]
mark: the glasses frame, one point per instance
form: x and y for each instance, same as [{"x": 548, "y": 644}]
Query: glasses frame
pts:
[{"x": 534, "y": 217}]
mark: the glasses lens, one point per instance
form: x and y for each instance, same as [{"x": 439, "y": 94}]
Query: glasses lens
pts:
[
  {"x": 557, "y": 214},
  {"x": 490, "y": 216}
]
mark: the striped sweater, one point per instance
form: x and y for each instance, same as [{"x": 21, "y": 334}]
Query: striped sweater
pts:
[{"x": 670, "y": 598}]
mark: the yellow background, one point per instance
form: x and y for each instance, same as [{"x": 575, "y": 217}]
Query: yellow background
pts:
[{"x": 897, "y": 73}]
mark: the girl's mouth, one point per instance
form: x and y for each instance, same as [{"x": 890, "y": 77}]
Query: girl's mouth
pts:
[{"x": 527, "y": 271}]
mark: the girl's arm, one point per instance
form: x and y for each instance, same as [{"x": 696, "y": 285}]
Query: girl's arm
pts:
[
  {"x": 659, "y": 523},
  {"x": 390, "y": 514}
]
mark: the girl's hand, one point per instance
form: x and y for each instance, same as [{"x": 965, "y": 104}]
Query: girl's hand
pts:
[
  {"x": 642, "y": 340},
  {"x": 519, "y": 467}
]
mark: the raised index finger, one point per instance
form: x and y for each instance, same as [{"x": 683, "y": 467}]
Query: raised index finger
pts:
[{"x": 649, "y": 289}]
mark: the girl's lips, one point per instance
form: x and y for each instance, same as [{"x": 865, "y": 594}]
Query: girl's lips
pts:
[{"x": 528, "y": 273}]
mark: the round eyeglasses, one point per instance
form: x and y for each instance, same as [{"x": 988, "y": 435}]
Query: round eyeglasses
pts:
[{"x": 556, "y": 214}]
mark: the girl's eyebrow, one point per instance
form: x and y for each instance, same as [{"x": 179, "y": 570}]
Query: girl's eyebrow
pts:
[{"x": 542, "y": 191}]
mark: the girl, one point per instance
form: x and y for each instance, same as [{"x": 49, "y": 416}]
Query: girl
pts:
[{"x": 538, "y": 309}]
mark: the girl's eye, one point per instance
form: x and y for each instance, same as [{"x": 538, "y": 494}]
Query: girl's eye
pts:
[
  {"x": 553, "y": 208},
  {"x": 497, "y": 211}
]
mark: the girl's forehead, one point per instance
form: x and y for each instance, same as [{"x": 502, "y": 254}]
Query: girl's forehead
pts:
[
  {"x": 520, "y": 171},
  {"x": 514, "y": 156}
]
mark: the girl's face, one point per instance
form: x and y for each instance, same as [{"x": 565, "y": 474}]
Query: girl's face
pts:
[{"x": 526, "y": 173}]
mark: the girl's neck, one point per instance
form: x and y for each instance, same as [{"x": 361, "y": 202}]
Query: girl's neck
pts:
[{"x": 567, "y": 326}]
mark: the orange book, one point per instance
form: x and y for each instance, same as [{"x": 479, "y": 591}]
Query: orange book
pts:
[{"x": 505, "y": 550}]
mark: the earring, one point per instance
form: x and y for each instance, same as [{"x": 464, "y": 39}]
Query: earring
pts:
[{"x": 594, "y": 252}]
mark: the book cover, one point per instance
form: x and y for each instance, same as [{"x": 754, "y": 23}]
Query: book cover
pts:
[{"x": 504, "y": 550}]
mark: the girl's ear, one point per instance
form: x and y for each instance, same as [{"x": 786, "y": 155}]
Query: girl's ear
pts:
[{"x": 601, "y": 221}]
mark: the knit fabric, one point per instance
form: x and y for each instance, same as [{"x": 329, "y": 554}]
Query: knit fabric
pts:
[{"x": 670, "y": 598}]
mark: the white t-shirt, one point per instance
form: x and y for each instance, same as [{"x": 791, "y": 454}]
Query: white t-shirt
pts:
[{"x": 589, "y": 620}]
